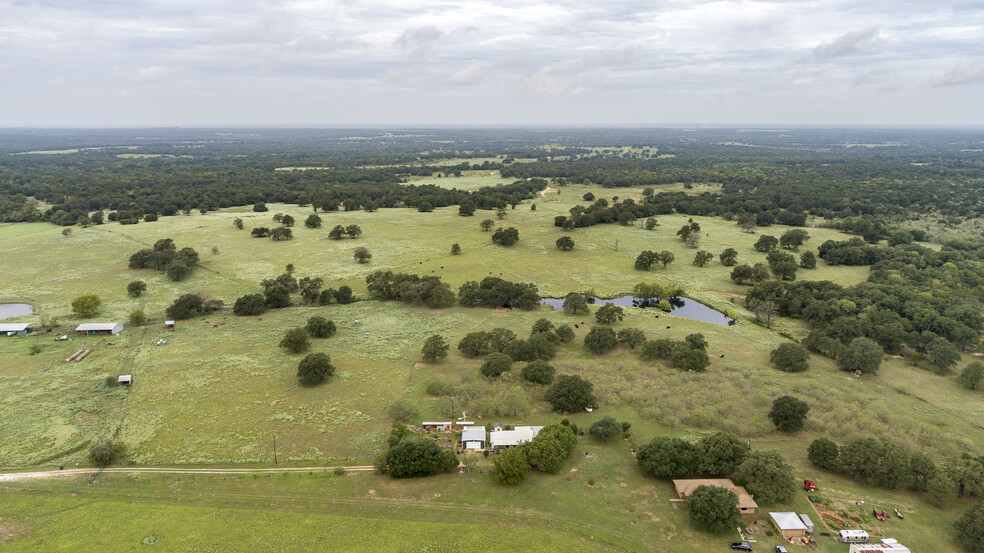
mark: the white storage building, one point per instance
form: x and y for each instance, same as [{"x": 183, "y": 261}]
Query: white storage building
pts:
[
  {"x": 100, "y": 328},
  {"x": 14, "y": 329}
]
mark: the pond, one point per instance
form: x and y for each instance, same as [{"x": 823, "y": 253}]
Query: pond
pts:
[
  {"x": 679, "y": 306},
  {"x": 17, "y": 309}
]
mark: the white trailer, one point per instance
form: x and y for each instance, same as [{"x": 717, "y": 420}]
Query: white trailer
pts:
[{"x": 852, "y": 536}]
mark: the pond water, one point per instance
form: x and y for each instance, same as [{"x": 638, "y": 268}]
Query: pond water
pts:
[
  {"x": 679, "y": 306},
  {"x": 18, "y": 309}
]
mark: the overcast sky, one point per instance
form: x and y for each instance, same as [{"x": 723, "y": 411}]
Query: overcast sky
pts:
[{"x": 597, "y": 62}]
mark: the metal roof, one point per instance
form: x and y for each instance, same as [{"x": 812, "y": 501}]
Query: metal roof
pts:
[
  {"x": 85, "y": 327},
  {"x": 505, "y": 438},
  {"x": 14, "y": 327},
  {"x": 788, "y": 521},
  {"x": 473, "y": 434}
]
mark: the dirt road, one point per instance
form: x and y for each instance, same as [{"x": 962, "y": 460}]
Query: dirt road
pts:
[{"x": 15, "y": 476}]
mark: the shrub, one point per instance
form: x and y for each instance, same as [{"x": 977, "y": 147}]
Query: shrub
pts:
[
  {"x": 510, "y": 466},
  {"x": 972, "y": 375},
  {"x": 605, "y": 428},
  {"x": 609, "y": 314},
  {"x": 790, "y": 358},
  {"x": 295, "y": 340},
  {"x": 411, "y": 458},
  {"x": 185, "y": 307},
  {"x": 767, "y": 476},
  {"x": 600, "y": 339},
  {"x": 495, "y": 365},
  {"x": 546, "y": 452},
  {"x": 714, "y": 509},
  {"x": 538, "y": 372},
  {"x": 136, "y": 288},
  {"x": 668, "y": 458},
  {"x": 862, "y": 355},
  {"x": 788, "y": 413},
  {"x": 250, "y": 304},
  {"x": 320, "y": 327},
  {"x": 823, "y": 453},
  {"x": 657, "y": 349},
  {"x": 720, "y": 454},
  {"x": 403, "y": 411},
  {"x": 137, "y": 318},
  {"x": 434, "y": 348},
  {"x": 106, "y": 452},
  {"x": 314, "y": 369},
  {"x": 570, "y": 394},
  {"x": 86, "y": 305}
]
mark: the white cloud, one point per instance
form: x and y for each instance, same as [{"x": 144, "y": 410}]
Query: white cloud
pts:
[
  {"x": 470, "y": 74},
  {"x": 846, "y": 44},
  {"x": 332, "y": 61},
  {"x": 151, "y": 73},
  {"x": 962, "y": 75}
]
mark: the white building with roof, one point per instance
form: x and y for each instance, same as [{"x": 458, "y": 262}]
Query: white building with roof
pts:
[
  {"x": 501, "y": 439},
  {"x": 473, "y": 437},
  {"x": 100, "y": 328},
  {"x": 788, "y": 524},
  {"x": 14, "y": 329}
]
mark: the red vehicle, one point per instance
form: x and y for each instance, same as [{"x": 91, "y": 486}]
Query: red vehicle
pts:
[
  {"x": 879, "y": 516},
  {"x": 809, "y": 486}
]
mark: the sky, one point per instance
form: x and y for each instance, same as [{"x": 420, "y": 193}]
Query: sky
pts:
[{"x": 133, "y": 63}]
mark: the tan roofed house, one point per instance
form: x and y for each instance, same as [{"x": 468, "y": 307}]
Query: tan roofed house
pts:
[{"x": 686, "y": 487}]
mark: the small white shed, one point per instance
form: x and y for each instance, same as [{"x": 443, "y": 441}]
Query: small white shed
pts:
[{"x": 125, "y": 380}]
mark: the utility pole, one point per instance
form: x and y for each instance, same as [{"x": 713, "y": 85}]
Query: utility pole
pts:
[{"x": 275, "y": 449}]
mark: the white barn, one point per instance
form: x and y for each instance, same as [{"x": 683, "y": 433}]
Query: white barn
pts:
[
  {"x": 100, "y": 328},
  {"x": 14, "y": 329}
]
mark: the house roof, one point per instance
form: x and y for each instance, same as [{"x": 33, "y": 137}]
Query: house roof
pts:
[
  {"x": 14, "y": 327},
  {"x": 84, "y": 327},
  {"x": 880, "y": 547},
  {"x": 125, "y": 378},
  {"x": 448, "y": 423},
  {"x": 686, "y": 486},
  {"x": 505, "y": 438},
  {"x": 169, "y": 323},
  {"x": 787, "y": 521},
  {"x": 473, "y": 433}
]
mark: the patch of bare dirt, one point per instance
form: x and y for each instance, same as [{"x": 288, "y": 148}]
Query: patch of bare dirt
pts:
[{"x": 10, "y": 531}]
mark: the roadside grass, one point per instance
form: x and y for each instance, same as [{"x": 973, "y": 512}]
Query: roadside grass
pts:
[{"x": 599, "y": 501}]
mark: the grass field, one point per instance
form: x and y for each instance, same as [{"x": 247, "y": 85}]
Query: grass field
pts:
[
  {"x": 599, "y": 503},
  {"x": 221, "y": 389}
]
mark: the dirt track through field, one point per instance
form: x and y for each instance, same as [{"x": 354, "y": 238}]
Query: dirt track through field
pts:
[{"x": 15, "y": 476}]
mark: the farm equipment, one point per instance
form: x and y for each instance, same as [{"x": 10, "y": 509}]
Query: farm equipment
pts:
[
  {"x": 809, "y": 486},
  {"x": 898, "y": 514},
  {"x": 879, "y": 516}
]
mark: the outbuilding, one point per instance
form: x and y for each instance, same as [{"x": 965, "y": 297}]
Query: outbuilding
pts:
[
  {"x": 473, "y": 437},
  {"x": 807, "y": 522},
  {"x": 14, "y": 329},
  {"x": 501, "y": 439},
  {"x": 124, "y": 380},
  {"x": 788, "y": 524},
  {"x": 100, "y": 328},
  {"x": 169, "y": 325},
  {"x": 439, "y": 426}
]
